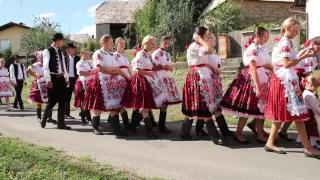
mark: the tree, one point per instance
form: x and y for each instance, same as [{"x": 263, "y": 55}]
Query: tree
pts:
[
  {"x": 6, "y": 55},
  {"x": 92, "y": 45}
]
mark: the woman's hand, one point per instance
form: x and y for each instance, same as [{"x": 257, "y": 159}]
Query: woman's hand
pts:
[
  {"x": 151, "y": 74},
  {"x": 258, "y": 92},
  {"x": 216, "y": 70}
]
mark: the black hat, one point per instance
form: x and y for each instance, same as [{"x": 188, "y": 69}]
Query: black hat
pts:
[
  {"x": 16, "y": 57},
  {"x": 57, "y": 36},
  {"x": 70, "y": 45}
]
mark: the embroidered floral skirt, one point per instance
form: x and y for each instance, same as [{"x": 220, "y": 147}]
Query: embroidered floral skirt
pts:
[
  {"x": 36, "y": 94},
  {"x": 312, "y": 125},
  {"x": 6, "y": 89},
  {"x": 301, "y": 75},
  {"x": 276, "y": 108},
  {"x": 142, "y": 93},
  {"x": 193, "y": 104},
  {"x": 79, "y": 94},
  {"x": 104, "y": 92},
  {"x": 218, "y": 93},
  {"x": 173, "y": 95},
  {"x": 240, "y": 98}
]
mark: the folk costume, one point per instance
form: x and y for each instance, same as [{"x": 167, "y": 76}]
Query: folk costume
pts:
[
  {"x": 143, "y": 92},
  {"x": 285, "y": 101},
  {"x": 240, "y": 98},
  {"x": 6, "y": 90},
  {"x": 80, "y": 89},
  {"x": 105, "y": 91},
  {"x": 18, "y": 77},
  {"x": 71, "y": 62},
  {"x": 305, "y": 67},
  {"x": 55, "y": 71},
  {"x": 198, "y": 100},
  {"x": 161, "y": 57}
]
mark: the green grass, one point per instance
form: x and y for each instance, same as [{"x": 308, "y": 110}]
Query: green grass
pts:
[{"x": 21, "y": 160}]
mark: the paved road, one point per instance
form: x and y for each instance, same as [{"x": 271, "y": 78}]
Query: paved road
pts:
[{"x": 168, "y": 157}]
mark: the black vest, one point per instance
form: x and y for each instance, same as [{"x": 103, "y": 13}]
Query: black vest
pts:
[
  {"x": 53, "y": 61},
  {"x": 16, "y": 71}
]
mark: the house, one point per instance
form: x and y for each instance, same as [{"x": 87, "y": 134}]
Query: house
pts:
[
  {"x": 112, "y": 17},
  {"x": 10, "y": 35},
  {"x": 80, "y": 38},
  {"x": 260, "y": 11}
]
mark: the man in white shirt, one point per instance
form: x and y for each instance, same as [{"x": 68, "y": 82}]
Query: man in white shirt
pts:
[
  {"x": 71, "y": 60},
  {"x": 18, "y": 77},
  {"x": 56, "y": 75}
]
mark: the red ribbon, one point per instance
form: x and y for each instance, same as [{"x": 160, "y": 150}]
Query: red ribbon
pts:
[
  {"x": 250, "y": 40},
  {"x": 307, "y": 43}
]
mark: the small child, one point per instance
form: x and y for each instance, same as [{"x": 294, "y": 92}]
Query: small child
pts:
[
  {"x": 312, "y": 102},
  {"x": 5, "y": 86}
]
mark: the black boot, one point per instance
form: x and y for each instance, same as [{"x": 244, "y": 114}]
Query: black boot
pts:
[
  {"x": 134, "y": 114},
  {"x": 115, "y": 124},
  {"x": 83, "y": 118},
  {"x": 154, "y": 124},
  {"x": 87, "y": 114},
  {"x": 199, "y": 128},
  {"x": 61, "y": 123},
  {"x": 50, "y": 120},
  {"x": 162, "y": 123},
  {"x": 67, "y": 112},
  {"x": 45, "y": 116},
  {"x": 224, "y": 127},
  {"x": 125, "y": 119},
  {"x": 39, "y": 114},
  {"x": 213, "y": 132},
  {"x": 148, "y": 125},
  {"x": 185, "y": 130},
  {"x": 135, "y": 121},
  {"x": 95, "y": 125}
]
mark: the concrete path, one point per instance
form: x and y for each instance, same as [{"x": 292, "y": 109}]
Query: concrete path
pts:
[{"x": 168, "y": 157}]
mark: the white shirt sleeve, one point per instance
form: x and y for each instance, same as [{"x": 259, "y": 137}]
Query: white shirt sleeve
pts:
[
  {"x": 25, "y": 73},
  {"x": 66, "y": 75},
  {"x": 12, "y": 76},
  {"x": 311, "y": 102},
  {"x": 46, "y": 70}
]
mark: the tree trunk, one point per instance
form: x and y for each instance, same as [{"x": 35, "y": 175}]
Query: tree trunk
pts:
[{"x": 173, "y": 46}]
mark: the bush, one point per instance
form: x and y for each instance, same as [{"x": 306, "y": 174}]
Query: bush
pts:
[{"x": 267, "y": 26}]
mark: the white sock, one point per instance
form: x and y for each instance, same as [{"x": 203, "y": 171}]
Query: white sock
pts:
[
  {"x": 313, "y": 141},
  {"x": 298, "y": 139}
]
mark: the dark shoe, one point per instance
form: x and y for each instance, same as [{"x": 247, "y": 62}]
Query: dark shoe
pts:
[
  {"x": 95, "y": 125},
  {"x": 298, "y": 144},
  {"x": 148, "y": 125},
  {"x": 311, "y": 155},
  {"x": 259, "y": 141},
  {"x": 63, "y": 126},
  {"x": 135, "y": 121},
  {"x": 22, "y": 108},
  {"x": 223, "y": 126},
  {"x": 49, "y": 120},
  {"x": 241, "y": 142},
  {"x": 213, "y": 132},
  {"x": 43, "y": 122},
  {"x": 38, "y": 114},
  {"x": 318, "y": 142},
  {"x": 285, "y": 137},
  {"x": 151, "y": 116},
  {"x": 68, "y": 117},
  {"x": 125, "y": 118},
  {"x": 274, "y": 151},
  {"x": 316, "y": 147},
  {"x": 185, "y": 130},
  {"x": 199, "y": 128},
  {"x": 162, "y": 123},
  {"x": 252, "y": 128},
  {"x": 115, "y": 124},
  {"x": 15, "y": 107}
]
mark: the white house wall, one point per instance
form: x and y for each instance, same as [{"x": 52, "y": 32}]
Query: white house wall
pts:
[{"x": 314, "y": 14}]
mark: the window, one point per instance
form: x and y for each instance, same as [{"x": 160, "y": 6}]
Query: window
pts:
[{"x": 4, "y": 44}]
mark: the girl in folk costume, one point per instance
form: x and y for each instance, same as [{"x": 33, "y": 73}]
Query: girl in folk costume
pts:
[
  {"x": 163, "y": 68},
  {"x": 198, "y": 96},
  {"x": 303, "y": 69},
  {"x": 145, "y": 92},
  {"x": 5, "y": 86},
  {"x": 285, "y": 101},
  {"x": 310, "y": 99},
  {"x": 215, "y": 61},
  {"x": 124, "y": 63},
  {"x": 247, "y": 94},
  {"x": 38, "y": 90},
  {"x": 106, "y": 87},
  {"x": 84, "y": 70}
]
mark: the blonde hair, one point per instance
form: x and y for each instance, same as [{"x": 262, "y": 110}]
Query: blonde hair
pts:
[
  {"x": 105, "y": 37},
  {"x": 83, "y": 50},
  {"x": 118, "y": 40},
  {"x": 147, "y": 39},
  {"x": 290, "y": 22},
  {"x": 2, "y": 60}
]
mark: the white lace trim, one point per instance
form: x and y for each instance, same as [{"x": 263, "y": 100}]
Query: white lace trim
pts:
[
  {"x": 236, "y": 113},
  {"x": 108, "y": 104},
  {"x": 156, "y": 83},
  {"x": 6, "y": 94}
]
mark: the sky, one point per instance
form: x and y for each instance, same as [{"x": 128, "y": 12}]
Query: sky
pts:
[{"x": 74, "y": 16}]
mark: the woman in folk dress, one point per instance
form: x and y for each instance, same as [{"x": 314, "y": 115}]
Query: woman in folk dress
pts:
[
  {"x": 163, "y": 68},
  {"x": 145, "y": 92},
  {"x": 124, "y": 63},
  {"x": 285, "y": 101},
  {"x": 198, "y": 96},
  {"x": 84, "y": 70},
  {"x": 247, "y": 94},
  {"x": 5, "y": 86},
  {"x": 38, "y": 88},
  {"x": 106, "y": 87}
]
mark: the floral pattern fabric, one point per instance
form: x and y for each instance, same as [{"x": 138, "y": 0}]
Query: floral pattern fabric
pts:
[
  {"x": 5, "y": 86},
  {"x": 38, "y": 90}
]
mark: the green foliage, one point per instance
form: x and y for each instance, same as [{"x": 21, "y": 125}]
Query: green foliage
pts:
[
  {"x": 199, "y": 7},
  {"x": 267, "y": 26},
  {"x": 6, "y": 55},
  {"x": 225, "y": 17},
  {"x": 303, "y": 36},
  {"x": 92, "y": 45}
]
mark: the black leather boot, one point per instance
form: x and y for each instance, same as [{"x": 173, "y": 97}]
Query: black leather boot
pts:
[
  {"x": 135, "y": 121},
  {"x": 39, "y": 114},
  {"x": 154, "y": 124},
  {"x": 61, "y": 123},
  {"x": 115, "y": 124},
  {"x": 125, "y": 118},
  {"x": 67, "y": 112},
  {"x": 87, "y": 114},
  {"x": 45, "y": 116},
  {"x": 199, "y": 128},
  {"x": 224, "y": 127},
  {"x": 95, "y": 125},
  {"x": 213, "y": 132},
  {"x": 83, "y": 118},
  {"x": 162, "y": 123},
  {"x": 50, "y": 120},
  {"x": 185, "y": 130},
  {"x": 149, "y": 128}
]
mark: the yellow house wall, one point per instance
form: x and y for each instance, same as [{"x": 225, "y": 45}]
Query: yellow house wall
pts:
[{"x": 14, "y": 34}]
